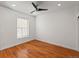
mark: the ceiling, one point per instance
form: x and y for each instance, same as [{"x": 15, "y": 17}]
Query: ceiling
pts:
[{"x": 26, "y": 6}]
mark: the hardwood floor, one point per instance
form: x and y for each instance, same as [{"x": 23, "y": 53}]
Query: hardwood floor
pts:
[{"x": 38, "y": 49}]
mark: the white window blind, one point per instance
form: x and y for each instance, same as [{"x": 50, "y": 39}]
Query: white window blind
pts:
[{"x": 22, "y": 28}]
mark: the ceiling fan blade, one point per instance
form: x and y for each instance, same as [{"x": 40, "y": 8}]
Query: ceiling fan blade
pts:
[
  {"x": 32, "y": 11},
  {"x": 42, "y": 9},
  {"x": 34, "y": 6}
]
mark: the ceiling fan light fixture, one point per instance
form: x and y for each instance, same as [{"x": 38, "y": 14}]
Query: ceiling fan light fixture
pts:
[{"x": 37, "y": 9}]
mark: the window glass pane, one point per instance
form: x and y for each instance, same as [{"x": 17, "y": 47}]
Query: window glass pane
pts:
[
  {"x": 22, "y": 28},
  {"x": 19, "y": 34}
]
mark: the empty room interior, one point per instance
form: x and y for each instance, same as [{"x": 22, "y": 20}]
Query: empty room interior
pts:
[{"x": 39, "y": 29}]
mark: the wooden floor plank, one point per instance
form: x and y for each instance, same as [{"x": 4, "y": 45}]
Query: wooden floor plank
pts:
[{"x": 38, "y": 49}]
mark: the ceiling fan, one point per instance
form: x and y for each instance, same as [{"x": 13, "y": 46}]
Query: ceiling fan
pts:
[{"x": 37, "y": 9}]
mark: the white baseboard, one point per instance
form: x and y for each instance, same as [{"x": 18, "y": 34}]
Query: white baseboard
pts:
[
  {"x": 56, "y": 44},
  {"x": 15, "y": 44},
  {"x": 36, "y": 39}
]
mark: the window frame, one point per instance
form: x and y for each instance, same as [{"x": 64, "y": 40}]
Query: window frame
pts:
[{"x": 22, "y": 34}]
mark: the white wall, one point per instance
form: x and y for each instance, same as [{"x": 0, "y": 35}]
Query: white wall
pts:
[
  {"x": 78, "y": 30},
  {"x": 78, "y": 34},
  {"x": 58, "y": 27},
  {"x": 8, "y": 28}
]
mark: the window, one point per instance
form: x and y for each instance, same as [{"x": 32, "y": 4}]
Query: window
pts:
[{"x": 22, "y": 28}]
